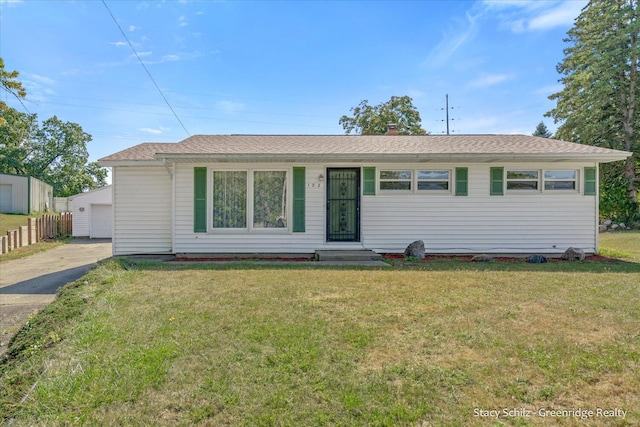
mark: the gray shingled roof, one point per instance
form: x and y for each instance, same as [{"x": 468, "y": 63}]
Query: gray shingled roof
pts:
[{"x": 364, "y": 147}]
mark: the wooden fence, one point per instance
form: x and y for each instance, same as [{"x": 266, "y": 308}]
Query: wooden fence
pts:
[{"x": 47, "y": 227}]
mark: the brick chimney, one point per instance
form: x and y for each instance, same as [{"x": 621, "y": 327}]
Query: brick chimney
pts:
[{"x": 392, "y": 129}]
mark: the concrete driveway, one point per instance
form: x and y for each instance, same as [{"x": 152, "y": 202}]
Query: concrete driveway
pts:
[{"x": 29, "y": 284}]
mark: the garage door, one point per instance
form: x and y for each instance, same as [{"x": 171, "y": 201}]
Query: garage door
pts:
[
  {"x": 6, "y": 202},
  {"x": 100, "y": 221}
]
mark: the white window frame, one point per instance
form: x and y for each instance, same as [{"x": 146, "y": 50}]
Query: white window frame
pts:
[
  {"x": 250, "y": 228},
  {"x": 429, "y": 190},
  {"x": 396, "y": 190},
  {"x": 542, "y": 180},
  {"x": 507, "y": 180},
  {"x": 575, "y": 181}
]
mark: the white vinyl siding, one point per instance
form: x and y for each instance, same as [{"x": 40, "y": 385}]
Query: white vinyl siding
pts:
[
  {"x": 518, "y": 222},
  {"x": 82, "y": 210},
  {"x": 142, "y": 202},
  {"x": 533, "y": 222}
]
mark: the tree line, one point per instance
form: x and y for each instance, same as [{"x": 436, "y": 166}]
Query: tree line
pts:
[{"x": 53, "y": 151}]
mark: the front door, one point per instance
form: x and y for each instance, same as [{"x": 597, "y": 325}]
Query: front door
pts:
[{"x": 343, "y": 205}]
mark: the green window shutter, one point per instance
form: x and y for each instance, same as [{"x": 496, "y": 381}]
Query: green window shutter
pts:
[
  {"x": 199, "y": 200},
  {"x": 590, "y": 181},
  {"x": 299, "y": 189},
  {"x": 369, "y": 181},
  {"x": 497, "y": 182},
  {"x": 462, "y": 181}
]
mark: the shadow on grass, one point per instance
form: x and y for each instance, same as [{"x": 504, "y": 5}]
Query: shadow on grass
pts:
[{"x": 601, "y": 265}]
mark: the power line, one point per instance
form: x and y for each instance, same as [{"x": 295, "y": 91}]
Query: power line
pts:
[
  {"x": 145, "y": 68},
  {"x": 447, "y": 108}
]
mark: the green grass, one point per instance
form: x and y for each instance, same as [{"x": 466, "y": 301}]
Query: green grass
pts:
[
  {"x": 621, "y": 244},
  {"x": 244, "y": 344},
  {"x": 12, "y": 222}
]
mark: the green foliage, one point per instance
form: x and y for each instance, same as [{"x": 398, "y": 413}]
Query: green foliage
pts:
[
  {"x": 542, "y": 131},
  {"x": 614, "y": 201},
  {"x": 374, "y": 120},
  {"x": 54, "y": 152},
  {"x": 600, "y": 102},
  {"x": 10, "y": 85}
]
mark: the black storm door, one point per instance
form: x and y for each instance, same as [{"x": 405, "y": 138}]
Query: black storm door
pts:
[{"x": 343, "y": 205}]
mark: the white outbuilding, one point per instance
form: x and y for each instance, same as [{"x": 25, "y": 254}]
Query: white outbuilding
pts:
[{"x": 93, "y": 213}]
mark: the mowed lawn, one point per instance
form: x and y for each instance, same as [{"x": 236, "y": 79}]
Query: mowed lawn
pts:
[{"x": 441, "y": 343}]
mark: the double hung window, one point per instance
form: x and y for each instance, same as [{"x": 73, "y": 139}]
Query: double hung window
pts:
[
  {"x": 396, "y": 180},
  {"x": 415, "y": 180},
  {"x": 541, "y": 180},
  {"x": 560, "y": 180},
  {"x": 522, "y": 180}
]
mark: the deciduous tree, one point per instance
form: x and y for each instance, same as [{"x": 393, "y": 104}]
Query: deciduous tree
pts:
[
  {"x": 374, "y": 119},
  {"x": 9, "y": 84},
  {"x": 55, "y": 152}
]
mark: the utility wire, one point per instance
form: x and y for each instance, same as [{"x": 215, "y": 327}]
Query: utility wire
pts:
[{"x": 145, "y": 68}]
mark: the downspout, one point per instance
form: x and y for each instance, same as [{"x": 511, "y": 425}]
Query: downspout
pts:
[{"x": 173, "y": 203}]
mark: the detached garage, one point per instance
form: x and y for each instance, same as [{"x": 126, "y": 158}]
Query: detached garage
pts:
[
  {"x": 92, "y": 213},
  {"x": 22, "y": 194}
]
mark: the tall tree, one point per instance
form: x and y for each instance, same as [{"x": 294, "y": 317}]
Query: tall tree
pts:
[
  {"x": 9, "y": 84},
  {"x": 600, "y": 102},
  {"x": 55, "y": 152},
  {"x": 374, "y": 119},
  {"x": 542, "y": 131}
]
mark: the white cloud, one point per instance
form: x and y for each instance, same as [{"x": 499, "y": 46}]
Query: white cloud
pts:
[
  {"x": 133, "y": 28},
  {"x": 118, "y": 44},
  {"x": 415, "y": 93},
  {"x": 42, "y": 79},
  {"x": 452, "y": 41},
  {"x": 171, "y": 57},
  {"x": 563, "y": 15},
  {"x": 490, "y": 80},
  {"x": 523, "y": 16},
  {"x": 182, "y": 21},
  {"x": 230, "y": 106},
  {"x": 548, "y": 90},
  {"x": 155, "y": 131}
]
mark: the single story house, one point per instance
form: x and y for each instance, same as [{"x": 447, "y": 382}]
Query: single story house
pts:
[
  {"x": 23, "y": 194},
  {"x": 267, "y": 194},
  {"x": 93, "y": 213}
]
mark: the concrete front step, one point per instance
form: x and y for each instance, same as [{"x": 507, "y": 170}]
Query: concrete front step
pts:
[{"x": 359, "y": 255}]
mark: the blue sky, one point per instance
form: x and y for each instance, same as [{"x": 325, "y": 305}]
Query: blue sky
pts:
[{"x": 281, "y": 67}]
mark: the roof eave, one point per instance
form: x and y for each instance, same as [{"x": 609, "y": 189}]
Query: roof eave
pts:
[
  {"x": 112, "y": 163},
  {"x": 386, "y": 157}
]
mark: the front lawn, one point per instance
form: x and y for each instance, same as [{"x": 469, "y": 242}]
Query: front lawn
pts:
[
  {"x": 12, "y": 222},
  {"x": 621, "y": 244},
  {"x": 441, "y": 344}
]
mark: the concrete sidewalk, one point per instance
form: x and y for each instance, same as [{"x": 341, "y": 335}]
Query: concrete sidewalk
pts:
[{"x": 29, "y": 284}]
